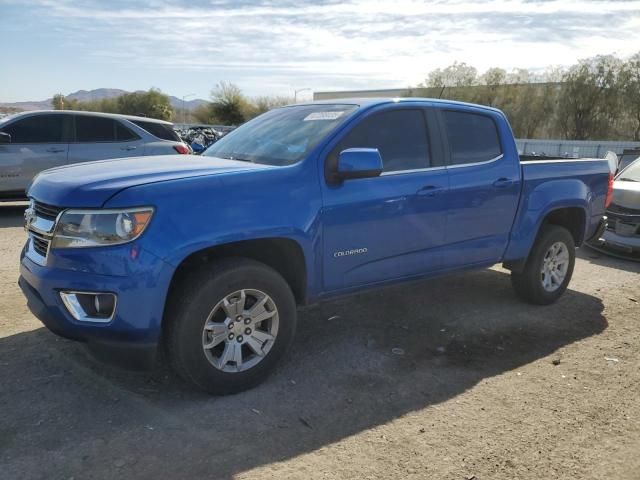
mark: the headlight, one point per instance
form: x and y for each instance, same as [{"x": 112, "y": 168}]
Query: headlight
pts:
[{"x": 92, "y": 228}]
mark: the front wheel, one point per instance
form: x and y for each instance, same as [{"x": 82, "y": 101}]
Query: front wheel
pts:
[
  {"x": 549, "y": 267},
  {"x": 228, "y": 325}
]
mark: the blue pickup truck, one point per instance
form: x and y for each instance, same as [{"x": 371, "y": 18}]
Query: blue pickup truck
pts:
[{"x": 208, "y": 257}]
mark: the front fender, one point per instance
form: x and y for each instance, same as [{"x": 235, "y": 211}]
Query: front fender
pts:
[{"x": 196, "y": 214}]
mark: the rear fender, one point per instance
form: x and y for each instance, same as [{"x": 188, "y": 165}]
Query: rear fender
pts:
[{"x": 536, "y": 205}]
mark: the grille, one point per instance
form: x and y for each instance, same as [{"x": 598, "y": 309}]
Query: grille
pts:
[
  {"x": 40, "y": 243},
  {"x": 46, "y": 211},
  {"x": 613, "y": 208}
]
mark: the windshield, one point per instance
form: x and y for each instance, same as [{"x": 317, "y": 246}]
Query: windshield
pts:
[
  {"x": 626, "y": 160},
  {"x": 6, "y": 118},
  {"x": 631, "y": 173},
  {"x": 282, "y": 136}
]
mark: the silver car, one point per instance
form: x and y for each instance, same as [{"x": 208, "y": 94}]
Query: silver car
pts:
[
  {"x": 34, "y": 141},
  {"x": 623, "y": 215}
]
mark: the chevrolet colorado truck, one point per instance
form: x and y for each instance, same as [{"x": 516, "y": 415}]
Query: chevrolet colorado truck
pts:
[{"x": 207, "y": 257}]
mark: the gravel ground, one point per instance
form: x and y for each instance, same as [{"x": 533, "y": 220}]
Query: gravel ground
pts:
[{"x": 449, "y": 379}]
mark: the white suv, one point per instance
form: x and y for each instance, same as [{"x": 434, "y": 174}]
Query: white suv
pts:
[{"x": 34, "y": 141}]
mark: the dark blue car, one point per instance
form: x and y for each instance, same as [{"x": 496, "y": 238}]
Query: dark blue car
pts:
[{"x": 208, "y": 256}]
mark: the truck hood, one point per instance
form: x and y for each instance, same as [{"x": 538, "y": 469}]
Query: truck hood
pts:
[{"x": 91, "y": 184}]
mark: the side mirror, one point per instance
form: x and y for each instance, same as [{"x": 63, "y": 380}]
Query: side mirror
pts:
[
  {"x": 358, "y": 163},
  {"x": 5, "y": 137}
]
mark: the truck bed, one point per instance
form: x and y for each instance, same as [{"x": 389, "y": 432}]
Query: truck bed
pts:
[{"x": 546, "y": 184}]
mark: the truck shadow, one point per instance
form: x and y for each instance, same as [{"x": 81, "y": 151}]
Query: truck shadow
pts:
[
  {"x": 603, "y": 259},
  {"x": 357, "y": 363},
  {"x": 12, "y": 214}
]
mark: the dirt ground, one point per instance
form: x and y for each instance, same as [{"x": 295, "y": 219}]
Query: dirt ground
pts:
[{"x": 484, "y": 387}]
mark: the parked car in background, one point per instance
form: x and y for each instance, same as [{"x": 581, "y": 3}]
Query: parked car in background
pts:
[
  {"x": 209, "y": 257},
  {"x": 36, "y": 141},
  {"x": 623, "y": 215}
]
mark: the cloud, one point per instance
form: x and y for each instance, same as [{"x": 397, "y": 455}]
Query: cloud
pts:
[{"x": 265, "y": 45}]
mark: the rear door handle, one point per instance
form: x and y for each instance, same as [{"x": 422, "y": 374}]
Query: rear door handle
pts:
[
  {"x": 430, "y": 190},
  {"x": 130, "y": 147},
  {"x": 55, "y": 150},
  {"x": 503, "y": 183}
]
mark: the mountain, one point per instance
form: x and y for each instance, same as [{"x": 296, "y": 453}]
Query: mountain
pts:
[
  {"x": 97, "y": 94},
  {"x": 188, "y": 104}
]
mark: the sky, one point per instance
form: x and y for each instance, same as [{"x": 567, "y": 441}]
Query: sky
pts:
[{"x": 270, "y": 47}]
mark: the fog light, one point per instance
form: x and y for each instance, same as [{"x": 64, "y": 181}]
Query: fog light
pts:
[{"x": 90, "y": 306}]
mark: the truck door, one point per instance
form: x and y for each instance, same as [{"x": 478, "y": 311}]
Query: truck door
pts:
[
  {"x": 38, "y": 142},
  {"x": 484, "y": 186},
  {"x": 387, "y": 227}
]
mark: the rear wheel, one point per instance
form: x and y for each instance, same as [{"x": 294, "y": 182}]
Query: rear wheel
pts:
[
  {"x": 228, "y": 325},
  {"x": 549, "y": 267}
]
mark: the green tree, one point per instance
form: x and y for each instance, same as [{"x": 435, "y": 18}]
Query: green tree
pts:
[
  {"x": 204, "y": 114},
  {"x": 228, "y": 104},
  {"x": 260, "y": 105},
  {"x": 58, "y": 101},
  {"x": 153, "y": 104}
]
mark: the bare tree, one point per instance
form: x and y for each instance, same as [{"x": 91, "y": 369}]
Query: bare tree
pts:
[
  {"x": 455, "y": 75},
  {"x": 629, "y": 79},
  {"x": 587, "y": 105}
]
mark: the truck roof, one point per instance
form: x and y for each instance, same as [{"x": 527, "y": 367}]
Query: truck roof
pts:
[{"x": 370, "y": 102}]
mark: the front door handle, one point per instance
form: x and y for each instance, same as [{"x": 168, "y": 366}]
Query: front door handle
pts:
[
  {"x": 503, "y": 183},
  {"x": 430, "y": 190},
  {"x": 55, "y": 150},
  {"x": 130, "y": 147}
]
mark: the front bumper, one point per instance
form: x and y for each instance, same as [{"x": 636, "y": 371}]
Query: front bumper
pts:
[
  {"x": 131, "y": 337},
  {"x": 622, "y": 233},
  {"x": 628, "y": 244}
]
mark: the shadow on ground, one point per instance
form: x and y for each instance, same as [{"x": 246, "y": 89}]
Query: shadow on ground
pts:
[
  {"x": 63, "y": 414},
  {"x": 12, "y": 214},
  {"x": 609, "y": 258}
]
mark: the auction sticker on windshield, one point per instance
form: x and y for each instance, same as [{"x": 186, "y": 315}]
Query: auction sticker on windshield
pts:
[{"x": 323, "y": 116}]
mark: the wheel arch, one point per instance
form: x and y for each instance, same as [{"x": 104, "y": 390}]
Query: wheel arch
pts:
[
  {"x": 573, "y": 217},
  {"x": 283, "y": 254}
]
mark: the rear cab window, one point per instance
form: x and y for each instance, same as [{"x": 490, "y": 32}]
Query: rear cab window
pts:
[
  {"x": 159, "y": 130},
  {"x": 472, "y": 137}
]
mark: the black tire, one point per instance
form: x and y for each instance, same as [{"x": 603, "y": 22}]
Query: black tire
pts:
[
  {"x": 528, "y": 284},
  {"x": 190, "y": 304}
]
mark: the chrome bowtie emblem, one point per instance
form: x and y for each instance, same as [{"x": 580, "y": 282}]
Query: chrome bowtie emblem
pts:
[{"x": 29, "y": 216}]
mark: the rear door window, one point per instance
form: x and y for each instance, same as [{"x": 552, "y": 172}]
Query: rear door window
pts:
[
  {"x": 160, "y": 130},
  {"x": 37, "y": 129},
  {"x": 95, "y": 129},
  {"x": 472, "y": 137},
  {"x": 124, "y": 134}
]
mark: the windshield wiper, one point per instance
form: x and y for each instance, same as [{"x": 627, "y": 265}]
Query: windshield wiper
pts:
[
  {"x": 239, "y": 159},
  {"x": 627, "y": 179}
]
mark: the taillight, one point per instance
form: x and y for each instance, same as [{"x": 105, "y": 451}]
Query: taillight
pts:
[
  {"x": 609, "y": 198},
  {"x": 181, "y": 149}
]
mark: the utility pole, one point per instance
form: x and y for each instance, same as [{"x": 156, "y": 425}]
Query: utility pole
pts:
[
  {"x": 184, "y": 110},
  {"x": 296, "y": 92}
]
